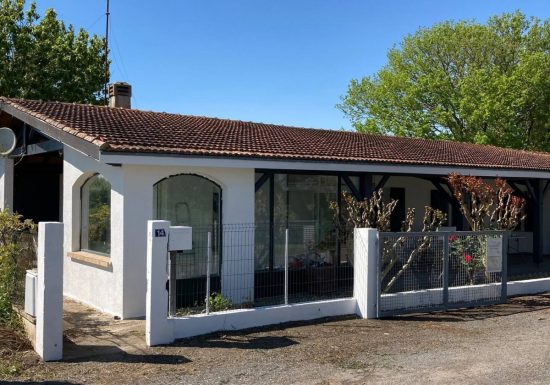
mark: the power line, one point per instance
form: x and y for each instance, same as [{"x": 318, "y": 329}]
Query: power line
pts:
[
  {"x": 89, "y": 27},
  {"x": 120, "y": 57}
]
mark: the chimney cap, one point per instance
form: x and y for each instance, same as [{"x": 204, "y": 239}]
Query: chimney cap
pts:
[
  {"x": 120, "y": 94},
  {"x": 120, "y": 88}
]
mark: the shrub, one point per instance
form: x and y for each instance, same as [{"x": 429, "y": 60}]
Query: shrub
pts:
[
  {"x": 15, "y": 244},
  {"x": 219, "y": 303}
]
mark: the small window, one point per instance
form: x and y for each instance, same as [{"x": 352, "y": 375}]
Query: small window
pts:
[{"x": 96, "y": 215}]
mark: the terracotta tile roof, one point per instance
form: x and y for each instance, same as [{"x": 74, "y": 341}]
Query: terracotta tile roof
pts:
[{"x": 135, "y": 131}]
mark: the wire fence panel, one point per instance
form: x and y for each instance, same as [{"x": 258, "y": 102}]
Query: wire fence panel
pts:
[
  {"x": 254, "y": 265},
  {"x": 475, "y": 273},
  {"x": 440, "y": 270},
  {"x": 27, "y": 260},
  {"x": 411, "y": 272}
]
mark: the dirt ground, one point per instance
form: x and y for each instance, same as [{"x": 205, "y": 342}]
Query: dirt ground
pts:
[{"x": 504, "y": 344}]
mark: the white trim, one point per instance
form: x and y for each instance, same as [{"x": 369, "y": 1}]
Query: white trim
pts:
[{"x": 226, "y": 162}]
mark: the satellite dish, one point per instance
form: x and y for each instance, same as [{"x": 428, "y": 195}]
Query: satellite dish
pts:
[{"x": 8, "y": 140}]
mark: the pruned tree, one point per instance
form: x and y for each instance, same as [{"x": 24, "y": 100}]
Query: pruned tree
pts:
[
  {"x": 432, "y": 221},
  {"x": 487, "y": 207},
  {"x": 373, "y": 212}
]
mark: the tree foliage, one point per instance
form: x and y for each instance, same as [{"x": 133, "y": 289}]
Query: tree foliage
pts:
[
  {"x": 41, "y": 58},
  {"x": 465, "y": 81}
]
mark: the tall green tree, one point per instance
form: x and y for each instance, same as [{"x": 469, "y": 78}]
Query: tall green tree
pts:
[
  {"x": 465, "y": 81},
  {"x": 41, "y": 58}
]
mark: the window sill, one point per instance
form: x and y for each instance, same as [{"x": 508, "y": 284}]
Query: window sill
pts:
[{"x": 90, "y": 258}]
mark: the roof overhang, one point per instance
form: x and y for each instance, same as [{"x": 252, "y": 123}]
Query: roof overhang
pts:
[
  {"x": 53, "y": 132},
  {"x": 305, "y": 165}
]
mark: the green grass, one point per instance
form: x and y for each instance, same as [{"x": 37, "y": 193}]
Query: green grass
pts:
[{"x": 9, "y": 369}]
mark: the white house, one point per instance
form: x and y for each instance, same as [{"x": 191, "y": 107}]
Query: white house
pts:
[{"x": 105, "y": 171}]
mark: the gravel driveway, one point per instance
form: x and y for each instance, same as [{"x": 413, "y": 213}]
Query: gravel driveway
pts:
[{"x": 504, "y": 344}]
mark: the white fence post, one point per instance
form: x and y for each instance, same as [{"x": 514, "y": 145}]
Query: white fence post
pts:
[
  {"x": 158, "y": 328},
  {"x": 365, "y": 280},
  {"x": 286, "y": 267},
  {"x": 49, "y": 301},
  {"x": 6, "y": 183},
  {"x": 208, "y": 263}
]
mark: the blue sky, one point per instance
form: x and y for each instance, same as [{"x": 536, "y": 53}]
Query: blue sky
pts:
[{"x": 277, "y": 61}]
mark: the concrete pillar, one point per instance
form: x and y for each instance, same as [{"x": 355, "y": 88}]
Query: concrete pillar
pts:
[
  {"x": 49, "y": 300},
  {"x": 158, "y": 328},
  {"x": 6, "y": 183},
  {"x": 365, "y": 284}
]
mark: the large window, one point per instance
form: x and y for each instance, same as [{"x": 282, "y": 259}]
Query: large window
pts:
[
  {"x": 192, "y": 200},
  {"x": 96, "y": 215},
  {"x": 299, "y": 203}
]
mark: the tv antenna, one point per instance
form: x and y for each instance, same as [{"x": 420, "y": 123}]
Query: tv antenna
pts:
[{"x": 107, "y": 14}]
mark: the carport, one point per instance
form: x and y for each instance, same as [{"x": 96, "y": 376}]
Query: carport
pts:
[{"x": 35, "y": 170}]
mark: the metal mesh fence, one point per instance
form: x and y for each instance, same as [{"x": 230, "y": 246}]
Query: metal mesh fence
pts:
[
  {"x": 430, "y": 271},
  {"x": 26, "y": 259},
  {"x": 411, "y": 271},
  {"x": 474, "y": 275},
  {"x": 244, "y": 266}
]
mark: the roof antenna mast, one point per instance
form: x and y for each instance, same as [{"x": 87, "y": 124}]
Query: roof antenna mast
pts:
[{"x": 106, "y": 91}]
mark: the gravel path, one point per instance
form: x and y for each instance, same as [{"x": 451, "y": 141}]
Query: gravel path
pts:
[{"x": 504, "y": 344}]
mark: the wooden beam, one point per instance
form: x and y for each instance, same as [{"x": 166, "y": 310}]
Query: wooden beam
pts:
[
  {"x": 531, "y": 187},
  {"x": 545, "y": 187},
  {"x": 366, "y": 185},
  {"x": 447, "y": 194},
  {"x": 519, "y": 192},
  {"x": 260, "y": 182},
  {"x": 356, "y": 193},
  {"x": 38, "y": 148},
  {"x": 382, "y": 182}
]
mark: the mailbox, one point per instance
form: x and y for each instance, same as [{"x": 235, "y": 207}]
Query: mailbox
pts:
[{"x": 180, "y": 238}]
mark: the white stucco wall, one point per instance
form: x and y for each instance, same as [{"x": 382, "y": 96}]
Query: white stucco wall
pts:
[
  {"x": 91, "y": 284},
  {"x": 237, "y": 207},
  {"x": 121, "y": 290}
]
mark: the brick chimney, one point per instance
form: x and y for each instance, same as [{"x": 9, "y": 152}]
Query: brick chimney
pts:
[{"x": 120, "y": 95}]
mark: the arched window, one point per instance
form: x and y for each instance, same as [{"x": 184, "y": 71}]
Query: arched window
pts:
[
  {"x": 96, "y": 215},
  {"x": 188, "y": 200},
  {"x": 192, "y": 200}
]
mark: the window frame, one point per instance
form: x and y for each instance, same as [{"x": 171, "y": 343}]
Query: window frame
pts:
[{"x": 85, "y": 209}]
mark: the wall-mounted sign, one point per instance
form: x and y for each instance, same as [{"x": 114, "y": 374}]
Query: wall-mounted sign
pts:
[
  {"x": 159, "y": 233},
  {"x": 494, "y": 255}
]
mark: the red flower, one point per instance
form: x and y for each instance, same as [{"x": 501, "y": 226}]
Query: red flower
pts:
[
  {"x": 467, "y": 258},
  {"x": 452, "y": 238}
]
